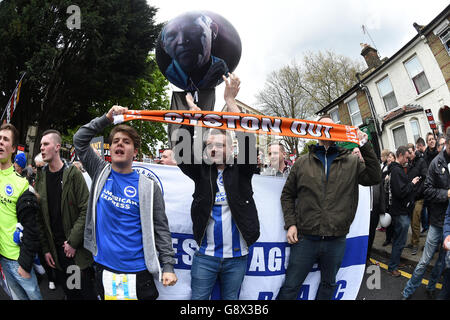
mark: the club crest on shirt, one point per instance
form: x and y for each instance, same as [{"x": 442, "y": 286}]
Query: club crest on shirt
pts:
[
  {"x": 130, "y": 191},
  {"x": 149, "y": 173},
  {"x": 9, "y": 190},
  {"x": 220, "y": 178}
]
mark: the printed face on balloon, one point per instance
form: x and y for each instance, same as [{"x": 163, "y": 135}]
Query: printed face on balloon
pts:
[
  {"x": 188, "y": 41},
  {"x": 196, "y": 49}
]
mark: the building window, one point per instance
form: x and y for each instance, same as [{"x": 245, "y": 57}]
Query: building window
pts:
[
  {"x": 445, "y": 39},
  {"x": 415, "y": 128},
  {"x": 334, "y": 114},
  {"x": 400, "y": 138},
  {"x": 387, "y": 94},
  {"x": 417, "y": 75},
  {"x": 355, "y": 113}
]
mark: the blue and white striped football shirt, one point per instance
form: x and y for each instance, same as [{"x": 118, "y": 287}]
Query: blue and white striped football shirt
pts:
[{"x": 222, "y": 238}]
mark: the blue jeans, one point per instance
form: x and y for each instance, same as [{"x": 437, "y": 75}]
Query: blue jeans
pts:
[
  {"x": 434, "y": 240},
  {"x": 21, "y": 288},
  {"x": 205, "y": 271},
  {"x": 445, "y": 292},
  {"x": 304, "y": 254},
  {"x": 401, "y": 226},
  {"x": 425, "y": 218},
  {"x": 447, "y": 260}
]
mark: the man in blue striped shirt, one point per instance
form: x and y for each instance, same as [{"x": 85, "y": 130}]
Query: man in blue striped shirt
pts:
[
  {"x": 224, "y": 216},
  {"x": 222, "y": 238}
]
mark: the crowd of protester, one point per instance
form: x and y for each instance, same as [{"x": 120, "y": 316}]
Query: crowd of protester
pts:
[
  {"x": 92, "y": 217},
  {"x": 414, "y": 193}
]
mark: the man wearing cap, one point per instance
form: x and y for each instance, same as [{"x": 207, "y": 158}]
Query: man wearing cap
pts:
[
  {"x": 20, "y": 162},
  {"x": 20, "y": 166}
]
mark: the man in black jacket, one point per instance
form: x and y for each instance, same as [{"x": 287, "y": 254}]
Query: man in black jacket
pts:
[
  {"x": 403, "y": 193},
  {"x": 428, "y": 154},
  {"x": 417, "y": 167},
  {"x": 224, "y": 216},
  {"x": 431, "y": 150},
  {"x": 420, "y": 147},
  {"x": 437, "y": 193}
]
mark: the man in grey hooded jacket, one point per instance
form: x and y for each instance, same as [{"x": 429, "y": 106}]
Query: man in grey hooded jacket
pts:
[{"x": 126, "y": 227}]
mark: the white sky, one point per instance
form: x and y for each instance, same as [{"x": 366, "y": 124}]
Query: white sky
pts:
[{"x": 275, "y": 33}]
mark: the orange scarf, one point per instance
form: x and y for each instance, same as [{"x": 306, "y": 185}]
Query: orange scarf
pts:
[{"x": 252, "y": 123}]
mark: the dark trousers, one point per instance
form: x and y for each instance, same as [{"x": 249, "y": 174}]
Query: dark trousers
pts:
[
  {"x": 145, "y": 285},
  {"x": 303, "y": 255},
  {"x": 445, "y": 292},
  {"x": 374, "y": 219},
  {"x": 425, "y": 218},
  {"x": 87, "y": 288},
  {"x": 49, "y": 271},
  {"x": 390, "y": 231},
  {"x": 401, "y": 225}
]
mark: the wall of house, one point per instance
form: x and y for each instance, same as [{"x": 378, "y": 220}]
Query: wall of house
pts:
[
  {"x": 388, "y": 136},
  {"x": 437, "y": 96},
  {"x": 440, "y": 53},
  {"x": 363, "y": 105},
  {"x": 344, "y": 114}
]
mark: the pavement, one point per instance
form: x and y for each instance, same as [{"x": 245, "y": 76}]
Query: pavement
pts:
[{"x": 407, "y": 257}]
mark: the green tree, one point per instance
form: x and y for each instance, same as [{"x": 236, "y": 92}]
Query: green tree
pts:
[
  {"x": 327, "y": 76},
  {"x": 283, "y": 96},
  {"x": 70, "y": 71},
  {"x": 305, "y": 149},
  {"x": 149, "y": 93},
  {"x": 298, "y": 91}
]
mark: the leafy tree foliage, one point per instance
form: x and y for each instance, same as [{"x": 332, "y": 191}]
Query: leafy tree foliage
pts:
[
  {"x": 149, "y": 93},
  {"x": 305, "y": 149},
  {"x": 283, "y": 96},
  {"x": 328, "y": 75},
  {"x": 72, "y": 71},
  {"x": 298, "y": 91}
]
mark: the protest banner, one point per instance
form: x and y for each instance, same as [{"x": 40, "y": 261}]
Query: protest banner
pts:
[{"x": 269, "y": 256}]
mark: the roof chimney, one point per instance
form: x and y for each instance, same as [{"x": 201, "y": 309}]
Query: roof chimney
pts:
[
  {"x": 418, "y": 27},
  {"x": 370, "y": 55}
]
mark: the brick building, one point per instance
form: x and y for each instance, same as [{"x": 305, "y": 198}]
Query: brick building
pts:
[{"x": 392, "y": 94}]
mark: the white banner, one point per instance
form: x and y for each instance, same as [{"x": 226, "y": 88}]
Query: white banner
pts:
[{"x": 269, "y": 256}]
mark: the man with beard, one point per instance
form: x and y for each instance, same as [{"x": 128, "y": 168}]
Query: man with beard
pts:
[{"x": 223, "y": 211}]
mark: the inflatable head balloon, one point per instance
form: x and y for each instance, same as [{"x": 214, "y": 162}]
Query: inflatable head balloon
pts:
[{"x": 196, "y": 49}]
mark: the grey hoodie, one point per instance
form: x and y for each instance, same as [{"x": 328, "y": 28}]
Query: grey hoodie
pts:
[{"x": 156, "y": 237}]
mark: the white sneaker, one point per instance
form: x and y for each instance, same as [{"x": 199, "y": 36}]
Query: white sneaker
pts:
[
  {"x": 39, "y": 269},
  {"x": 51, "y": 285}
]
